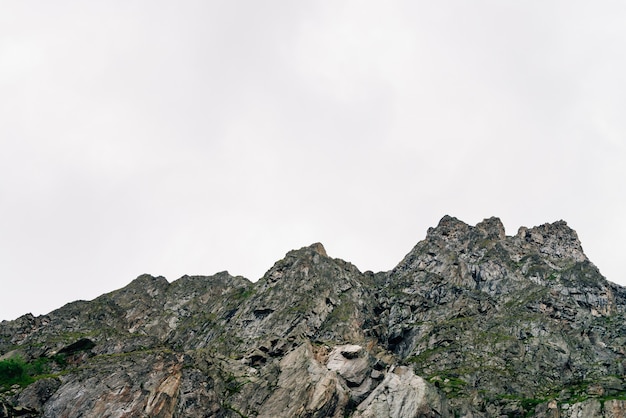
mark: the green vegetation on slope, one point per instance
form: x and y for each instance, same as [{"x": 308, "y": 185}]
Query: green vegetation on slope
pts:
[{"x": 16, "y": 371}]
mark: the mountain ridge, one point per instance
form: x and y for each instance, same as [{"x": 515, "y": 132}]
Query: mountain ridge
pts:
[{"x": 471, "y": 322}]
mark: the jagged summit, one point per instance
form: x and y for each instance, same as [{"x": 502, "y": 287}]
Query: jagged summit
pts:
[
  {"x": 319, "y": 248},
  {"x": 447, "y": 225},
  {"x": 556, "y": 240},
  {"x": 492, "y": 227},
  {"x": 451, "y": 228},
  {"x": 471, "y": 323},
  {"x": 315, "y": 249}
]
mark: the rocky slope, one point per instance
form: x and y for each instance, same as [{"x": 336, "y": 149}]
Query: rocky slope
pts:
[{"x": 470, "y": 323}]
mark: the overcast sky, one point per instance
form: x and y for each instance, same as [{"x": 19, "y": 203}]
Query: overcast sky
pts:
[{"x": 191, "y": 137}]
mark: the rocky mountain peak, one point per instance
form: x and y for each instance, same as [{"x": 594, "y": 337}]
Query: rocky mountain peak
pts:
[
  {"x": 556, "y": 240},
  {"x": 311, "y": 252},
  {"x": 318, "y": 248},
  {"x": 492, "y": 228},
  {"x": 449, "y": 227},
  {"x": 470, "y": 323},
  {"x": 458, "y": 236},
  {"x": 148, "y": 283}
]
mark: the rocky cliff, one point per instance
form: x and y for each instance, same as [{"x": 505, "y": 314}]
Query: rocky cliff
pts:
[{"x": 470, "y": 323}]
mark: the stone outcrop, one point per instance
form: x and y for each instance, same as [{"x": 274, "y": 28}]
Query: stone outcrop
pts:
[
  {"x": 402, "y": 394},
  {"x": 470, "y": 323}
]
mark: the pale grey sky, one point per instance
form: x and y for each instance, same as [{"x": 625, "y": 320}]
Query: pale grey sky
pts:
[{"x": 191, "y": 137}]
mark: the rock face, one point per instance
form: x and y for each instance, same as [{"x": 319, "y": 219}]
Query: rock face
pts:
[{"x": 470, "y": 323}]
